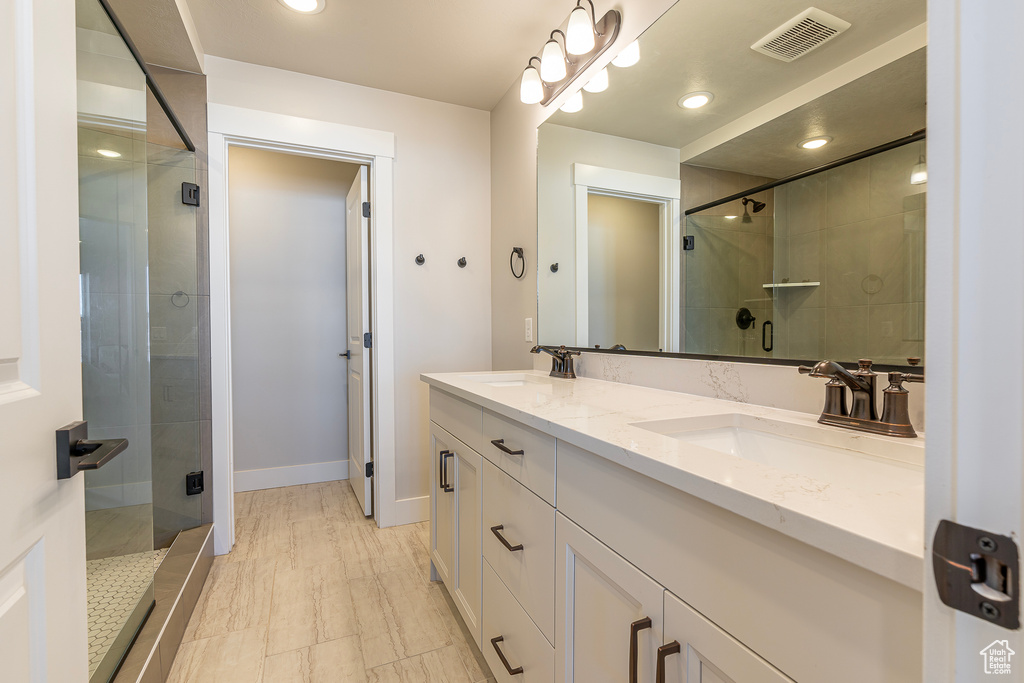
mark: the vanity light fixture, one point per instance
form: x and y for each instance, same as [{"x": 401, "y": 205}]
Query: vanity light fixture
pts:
[
  {"x": 108, "y": 153},
  {"x": 919, "y": 174},
  {"x": 553, "y": 61},
  {"x": 561, "y": 63},
  {"x": 629, "y": 56},
  {"x": 815, "y": 143},
  {"x": 305, "y": 6},
  {"x": 573, "y": 104},
  {"x": 599, "y": 83},
  {"x": 579, "y": 34},
  {"x": 531, "y": 89},
  {"x": 695, "y": 100}
]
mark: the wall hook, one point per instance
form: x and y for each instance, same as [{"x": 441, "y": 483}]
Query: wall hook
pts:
[
  {"x": 462, "y": 262},
  {"x": 554, "y": 267},
  {"x": 420, "y": 260}
]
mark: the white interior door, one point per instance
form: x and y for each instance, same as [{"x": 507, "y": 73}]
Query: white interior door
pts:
[
  {"x": 42, "y": 538},
  {"x": 975, "y": 400},
  {"x": 358, "y": 293}
]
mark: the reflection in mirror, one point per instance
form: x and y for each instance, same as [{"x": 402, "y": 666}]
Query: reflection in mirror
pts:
[{"x": 714, "y": 231}]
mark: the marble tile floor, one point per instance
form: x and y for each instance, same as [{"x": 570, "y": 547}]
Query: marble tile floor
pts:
[{"x": 313, "y": 592}]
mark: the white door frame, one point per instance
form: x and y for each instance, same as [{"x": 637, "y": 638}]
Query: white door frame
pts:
[
  {"x": 237, "y": 126},
  {"x": 665, "y": 192},
  {"x": 974, "y": 471}
]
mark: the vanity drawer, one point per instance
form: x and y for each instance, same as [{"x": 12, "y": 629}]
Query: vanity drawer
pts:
[
  {"x": 461, "y": 419},
  {"x": 521, "y": 644},
  {"x": 527, "y": 521},
  {"x": 532, "y": 457}
]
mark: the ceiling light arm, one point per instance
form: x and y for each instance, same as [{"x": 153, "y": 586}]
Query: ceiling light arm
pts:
[
  {"x": 565, "y": 47},
  {"x": 593, "y": 16},
  {"x": 530, "y": 63}
]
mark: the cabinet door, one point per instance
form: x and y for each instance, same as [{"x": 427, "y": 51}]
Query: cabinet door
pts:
[
  {"x": 468, "y": 487},
  {"x": 605, "y": 607},
  {"x": 700, "y": 652},
  {"x": 442, "y": 504}
]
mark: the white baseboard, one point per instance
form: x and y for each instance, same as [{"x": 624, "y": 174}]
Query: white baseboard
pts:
[
  {"x": 293, "y": 475},
  {"x": 120, "y": 495},
  {"x": 412, "y": 510}
]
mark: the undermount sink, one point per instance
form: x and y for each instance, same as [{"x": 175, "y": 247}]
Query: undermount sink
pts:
[
  {"x": 823, "y": 453},
  {"x": 507, "y": 379}
]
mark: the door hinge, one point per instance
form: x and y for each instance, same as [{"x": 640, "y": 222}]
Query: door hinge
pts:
[
  {"x": 976, "y": 573},
  {"x": 688, "y": 243},
  {"x": 369, "y": 469},
  {"x": 366, "y": 209},
  {"x": 368, "y": 340},
  {"x": 190, "y": 194},
  {"x": 194, "y": 483}
]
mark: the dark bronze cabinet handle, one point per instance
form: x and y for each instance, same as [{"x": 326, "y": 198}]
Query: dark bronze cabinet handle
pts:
[
  {"x": 501, "y": 655},
  {"x": 446, "y": 485},
  {"x": 508, "y": 546},
  {"x": 634, "y": 646},
  {"x": 664, "y": 652},
  {"x": 500, "y": 445}
]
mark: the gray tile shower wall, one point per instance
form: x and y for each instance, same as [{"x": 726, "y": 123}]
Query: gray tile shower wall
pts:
[{"x": 181, "y": 361}]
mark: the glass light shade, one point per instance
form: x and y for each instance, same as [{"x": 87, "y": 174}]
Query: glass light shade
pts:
[
  {"x": 629, "y": 56},
  {"x": 919, "y": 174},
  {"x": 599, "y": 83},
  {"x": 552, "y": 62},
  {"x": 573, "y": 104},
  {"x": 579, "y": 34},
  {"x": 531, "y": 90}
]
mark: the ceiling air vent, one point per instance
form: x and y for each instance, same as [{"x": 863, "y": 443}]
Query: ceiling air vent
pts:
[{"x": 801, "y": 34}]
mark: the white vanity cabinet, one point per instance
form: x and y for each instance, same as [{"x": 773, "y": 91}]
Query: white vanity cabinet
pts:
[
  {"x": 609, "y": 613},
  {"x": 571, "y": 568},
  {"x": 455, "y": 501}
]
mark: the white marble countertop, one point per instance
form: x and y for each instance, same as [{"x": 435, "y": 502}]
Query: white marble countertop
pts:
[{"x": 871, "y": 516}]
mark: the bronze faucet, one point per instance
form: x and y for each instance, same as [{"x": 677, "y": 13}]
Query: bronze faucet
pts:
[
  {"x": 561, "y": 361},
  {"x": 895, "y": 420}
]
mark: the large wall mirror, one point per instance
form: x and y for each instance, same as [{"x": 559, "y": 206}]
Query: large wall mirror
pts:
[{"x": 784, "y": 219}]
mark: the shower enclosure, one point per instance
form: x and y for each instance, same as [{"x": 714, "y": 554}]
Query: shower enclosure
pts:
[
  {"x": 832, "y": 267},
  {"x": 139, "y": 346}
]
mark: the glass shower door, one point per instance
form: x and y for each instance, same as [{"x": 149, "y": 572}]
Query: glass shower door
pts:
[{"x": 115, "y": 336}]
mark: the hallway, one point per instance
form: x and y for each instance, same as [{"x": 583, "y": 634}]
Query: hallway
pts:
[{"x": 313, "y": 592}]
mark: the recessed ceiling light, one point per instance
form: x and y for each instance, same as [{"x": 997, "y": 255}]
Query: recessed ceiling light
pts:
[
  {"x": 109, "y": 153},
  {"x": 305, "y": 6},
  {"x": 815, "y": 143},
  {"x": 695, "y": 100},
  {"x": 732, "y": 218}
]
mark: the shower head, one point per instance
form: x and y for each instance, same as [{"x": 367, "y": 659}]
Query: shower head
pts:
[{"x": 758, "y": 206}]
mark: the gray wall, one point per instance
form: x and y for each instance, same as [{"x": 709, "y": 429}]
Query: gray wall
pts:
[{"x": 287, "y": 237}]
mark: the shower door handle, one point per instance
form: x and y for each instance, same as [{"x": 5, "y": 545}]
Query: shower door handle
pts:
[
  {"x": 767, "y": 340},
  {"x": 76, "y": 453},
  {"x": 347, "y": 355}
]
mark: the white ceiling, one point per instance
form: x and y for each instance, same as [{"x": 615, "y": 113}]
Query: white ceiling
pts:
[
  {"x": 466, "y": 52},
  {"x": 887, "y": 104},
  {"x": 705, "y": 45}
]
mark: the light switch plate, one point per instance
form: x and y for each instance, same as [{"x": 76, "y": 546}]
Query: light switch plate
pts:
[{"x": 528, "y": 336}]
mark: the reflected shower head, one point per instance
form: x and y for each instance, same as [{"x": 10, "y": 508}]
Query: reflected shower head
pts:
[{"x": 758, "y": 206}]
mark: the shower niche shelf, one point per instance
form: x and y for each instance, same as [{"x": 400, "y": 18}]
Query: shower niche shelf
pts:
[{"x": 789, "y": 285}]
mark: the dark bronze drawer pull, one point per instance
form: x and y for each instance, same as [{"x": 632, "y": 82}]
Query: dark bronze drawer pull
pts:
[
  {"x": 496, "y": 530},
  {"x": 634, "y": 646},
  {"x": 443, "y": 460},
  {"x": 508, "y": 667},
  {"x": 500, "y": 445},
  {"x": 664, "y": 652}
]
